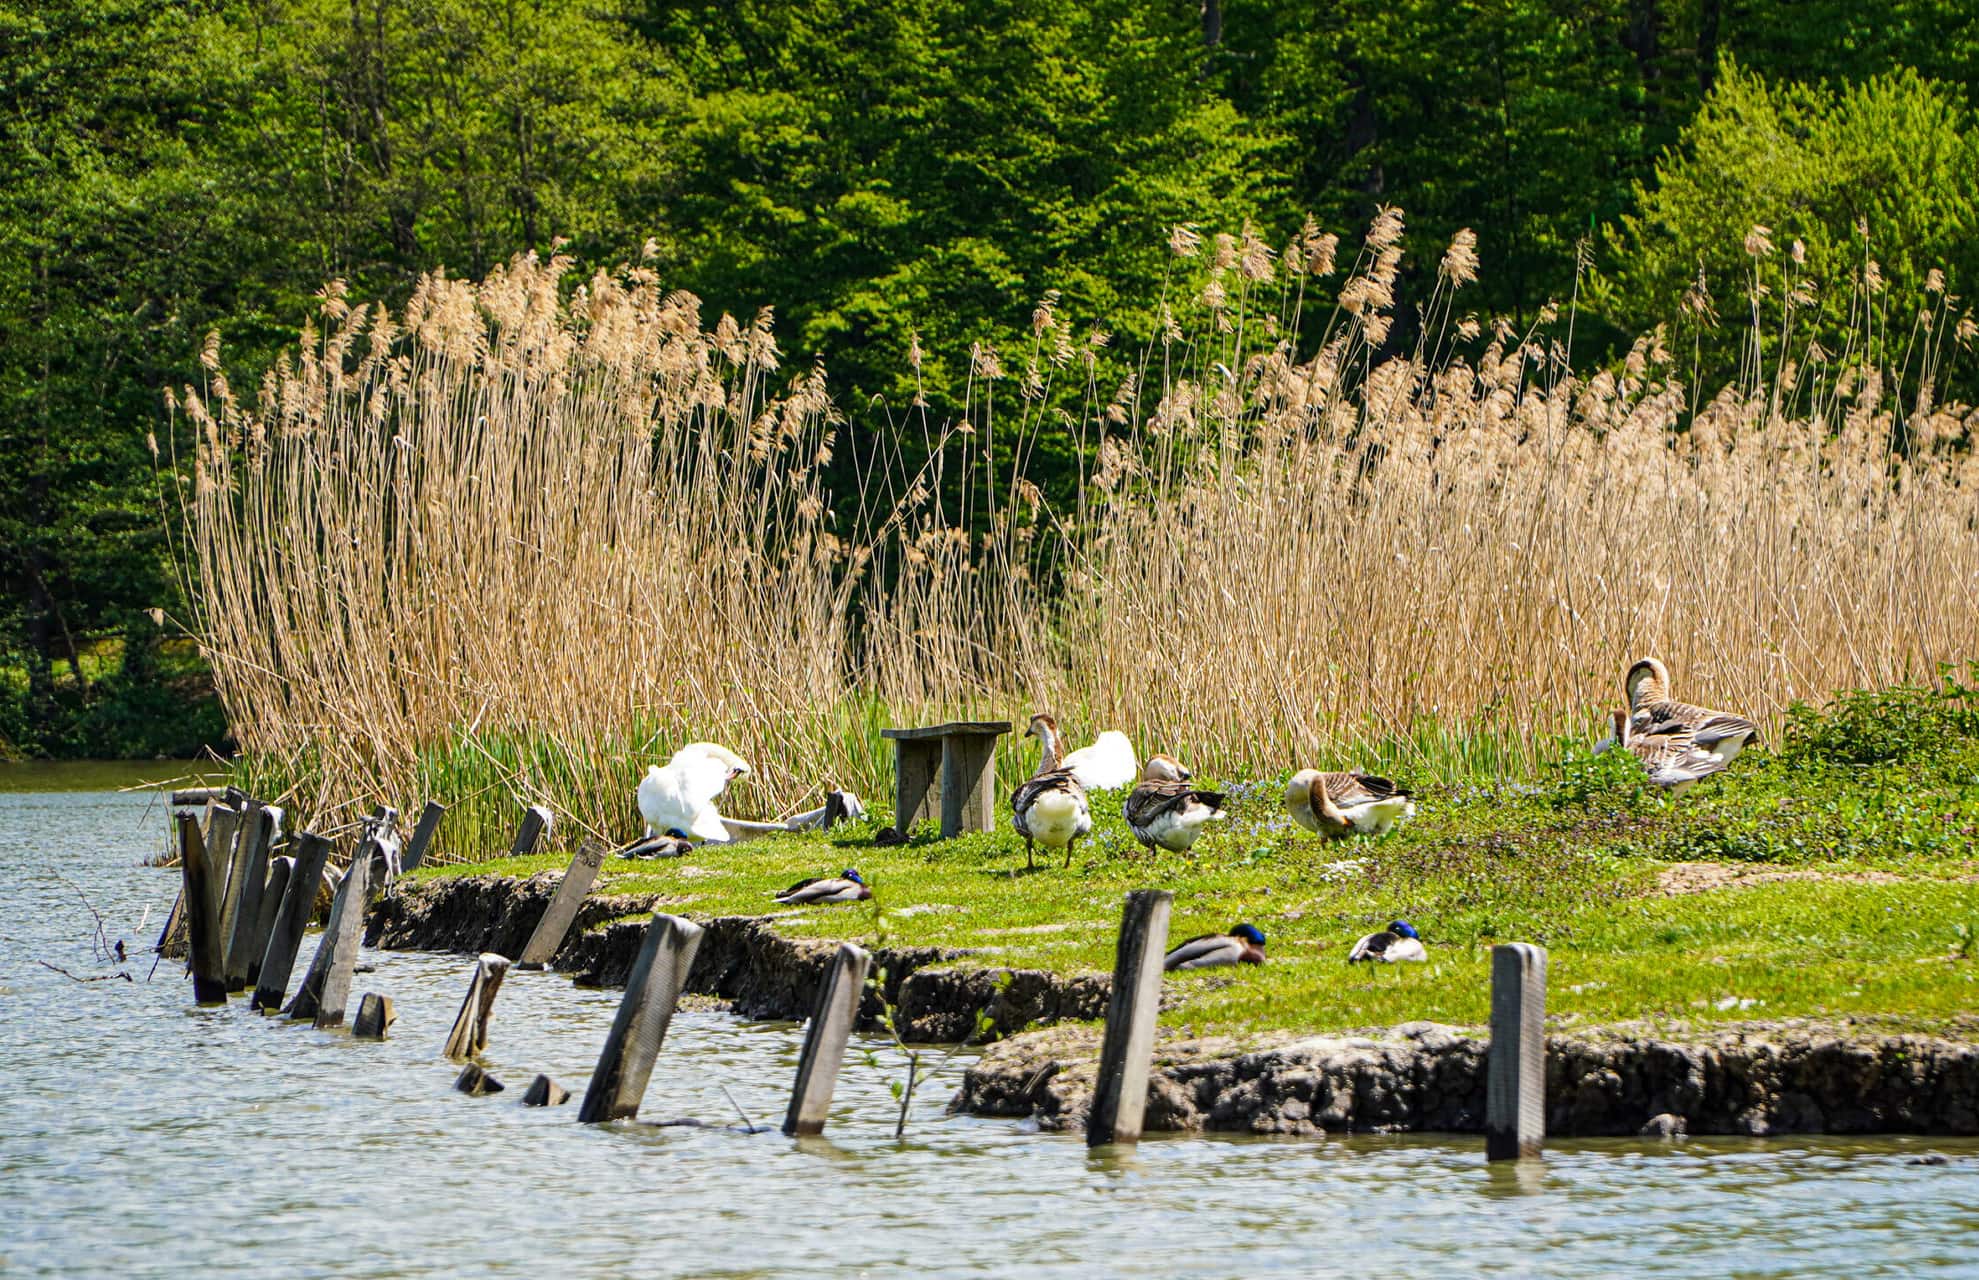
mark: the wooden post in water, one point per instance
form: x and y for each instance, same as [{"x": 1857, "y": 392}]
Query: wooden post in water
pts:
[
  {"x": 374, "y": 1014},
  {"x": 422, "y": 835},
  {"x": 279, "y": 871},
  {"x": 651, "y": 992},
  {"x": 222, "y": 835},
  {"x": 326, "y": 986},
  {"x": 470, "y": 1033},
  {"x": 271, "y": 985},
  {"x": 197, "y": 870},
  {"x": 250, "y": 881},
  {"x": 1515, "y": 1081},
  {"x": 536, "y": 821},
  {"x": 824, "y": 1043},
  {"x": 245, "y": 834},
  {"x": 577, "y": 881},
  {"x": 1120, "y": 1093},
  {"x": 545, "y": 1092},
  {"x": 475, "y": 1083}
]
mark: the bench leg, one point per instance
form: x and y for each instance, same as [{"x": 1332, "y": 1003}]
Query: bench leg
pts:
[
  {"x": 968, "y": 784},
  {"x": 915, "y": 764}
]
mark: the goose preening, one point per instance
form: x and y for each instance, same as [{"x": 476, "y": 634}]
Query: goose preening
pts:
[
  {"x": 1398, "y": 943},
  {"x": 1165, "y": 811},
  {"x": 1107, "y": 765},
  {"x": 1051, "y": 809},
  {"x": 1340, "y": 804},
  {"x": 1653, "y": 712},
  {"x": 679, "y": 799},
  {"x": 848, "y": 887},
  {"x": 1242, "y": 945},
  {"x": 1673, "y": 760}
]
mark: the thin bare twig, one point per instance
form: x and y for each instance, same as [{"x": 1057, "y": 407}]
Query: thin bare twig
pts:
[{"x": 101, "y": 977}]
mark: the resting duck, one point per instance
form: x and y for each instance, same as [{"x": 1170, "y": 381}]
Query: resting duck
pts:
[
  {"x": 1051, "y": 809},
  {"x": 679, "y": 799},
  {"x": 1672, "y": 760},
  {"x": 1107, "y": 765},
  {"x": 1653, "y": 712},
  {"x": 1165, "y": 811},
  {"x": 1242, "y": 945},
  {"x": 1340, "y": 804},
  {"x": 1397, "y": 943},
  {"x": 849, "y": 887}
]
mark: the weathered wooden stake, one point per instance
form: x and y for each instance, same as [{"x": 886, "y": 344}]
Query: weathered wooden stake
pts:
[
  {"x": 545, "y": 1092},
  {"x": 326, "y": 986},
  {"x": 535, "y": 821},
  {"x": 824, "y": 1043},
  {"x": 474, "y": 1082},
  {"x": 563, "y": 907},
  {"x": 651, "y": 991},
  {"x": 422, "y": 835},
  {"x": 470, "y": 1033},
  {"x": 1515, "y": 1081},
  {"x": 245, "y": 834},
  {"x": 197, "y": 869},
  {"x": 221, "y": 838},
  {"x": 258, "y": 827},
  {"x": 1120, "y": 1093},
  {"x": 271, "y": 986},
  {"x": 375, "y": 1013},
  {"x": 279, "y": 871}
]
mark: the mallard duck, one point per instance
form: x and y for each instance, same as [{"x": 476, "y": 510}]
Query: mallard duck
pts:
[
  {"x": 848, "y": 887},
  {"x": 1051, "y": 809},
  {"x": 1340, "y": 804},
  {"x": 1165, "y": 811},
  {"x": 679, "y": 799},
  {"x": 1244, "y": 944},
  {"x": 1672, "y": 760},
  {"x": 1107, "y": 765},
  {"x": 1652, "y": 712},
  {"x": 1397, "y": 943}
]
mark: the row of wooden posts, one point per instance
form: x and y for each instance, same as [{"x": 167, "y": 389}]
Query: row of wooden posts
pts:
[{"x": 246, "y": 915}]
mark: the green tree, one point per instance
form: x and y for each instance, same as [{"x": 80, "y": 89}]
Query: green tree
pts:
[{"x": 1893, "y": 155}]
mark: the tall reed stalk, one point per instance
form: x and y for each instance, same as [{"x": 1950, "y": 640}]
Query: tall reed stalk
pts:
[{"x": 525, "y": 536}]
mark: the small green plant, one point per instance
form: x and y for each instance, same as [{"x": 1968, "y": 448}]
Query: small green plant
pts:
[
  {"x": 1967, "y": 939},
  {"x": 983, "y": 1029},
  {"x": 1583, "y": 777},
  {"x": 1904, "y": 724}
]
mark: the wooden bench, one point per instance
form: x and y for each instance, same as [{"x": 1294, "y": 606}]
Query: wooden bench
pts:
[{"x": 963, "y": 754}]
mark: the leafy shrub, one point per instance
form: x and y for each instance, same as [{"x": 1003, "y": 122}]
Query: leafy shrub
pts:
[{"x": 1904, "y": 724}]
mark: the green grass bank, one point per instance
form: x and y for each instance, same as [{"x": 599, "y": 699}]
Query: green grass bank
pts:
[{"x": 1833, "y": 874}]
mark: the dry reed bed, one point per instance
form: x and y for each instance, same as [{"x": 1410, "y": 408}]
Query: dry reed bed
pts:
[{"x": 582, "y": 519}]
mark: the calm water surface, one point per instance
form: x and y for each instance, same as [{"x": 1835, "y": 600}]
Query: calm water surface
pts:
[{"x": 140, "y": 1136}]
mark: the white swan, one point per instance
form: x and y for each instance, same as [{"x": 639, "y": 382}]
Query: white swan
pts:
[
  {"x": 1107, "y": 765},
  {"x": 679, "y": 798}
]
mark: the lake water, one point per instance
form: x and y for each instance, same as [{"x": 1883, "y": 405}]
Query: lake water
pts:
[{"x": 141, "y": 1136}]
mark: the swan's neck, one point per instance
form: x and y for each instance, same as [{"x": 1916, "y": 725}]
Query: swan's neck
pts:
[{"x": 1049, "y": 751}]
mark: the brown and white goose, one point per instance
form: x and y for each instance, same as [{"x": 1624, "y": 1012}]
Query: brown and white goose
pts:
[
  {"x": 1341, "y": 804},
  {"x": 1164, "y": 811},
  {"x": 1653, "y": 712},
  {"x": 1672, "y": 760},
  {"x": 1051, "y": 809}
]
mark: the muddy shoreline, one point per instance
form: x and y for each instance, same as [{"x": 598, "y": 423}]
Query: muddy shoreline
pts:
[{"x": 1753, "y": 1079}]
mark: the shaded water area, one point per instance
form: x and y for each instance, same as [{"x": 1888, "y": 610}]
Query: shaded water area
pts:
[{"x": 140, "y": 1136}]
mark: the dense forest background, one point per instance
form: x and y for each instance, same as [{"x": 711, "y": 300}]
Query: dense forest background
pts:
[{"x": 871, "y": 170}]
